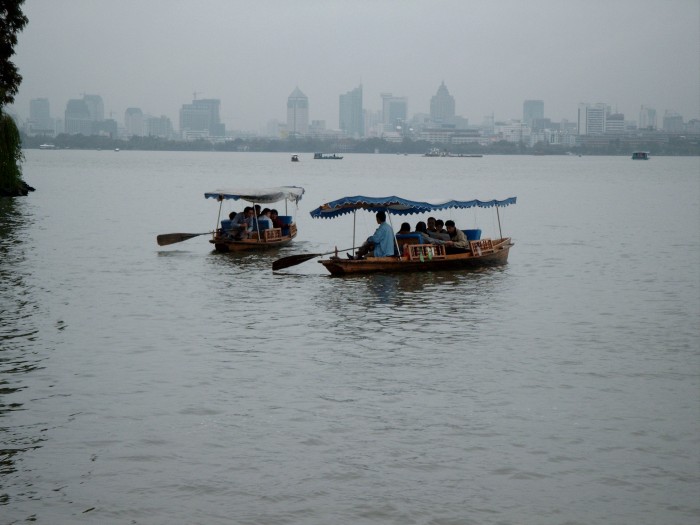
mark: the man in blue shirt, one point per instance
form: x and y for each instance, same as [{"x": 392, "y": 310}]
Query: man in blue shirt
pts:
[{"x": 381, "y": 242}]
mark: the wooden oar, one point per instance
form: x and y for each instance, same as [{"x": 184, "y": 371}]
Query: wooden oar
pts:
[
  {"x": 293, "y": 260},
  {"x": 172, "y": 238}
]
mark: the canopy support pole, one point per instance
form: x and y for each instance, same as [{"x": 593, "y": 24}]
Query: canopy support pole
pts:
[
  {"x": 354, "y": 220},
  {"x": 396, "y": 241},
  {"x": 499, "y": 222},
  {"x": 221, "y": 202}
]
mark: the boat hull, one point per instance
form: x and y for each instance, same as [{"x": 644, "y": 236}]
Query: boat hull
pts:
[
  {"x": 462, "y": 261},
  {"x": 226, "y": 245}
]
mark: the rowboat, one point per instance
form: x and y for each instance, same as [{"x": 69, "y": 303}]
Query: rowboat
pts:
[
  {"x": 412, "y": 252},
  {"x": 260, "y": 235}
]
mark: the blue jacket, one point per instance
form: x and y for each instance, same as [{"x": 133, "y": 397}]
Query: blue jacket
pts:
[{"x": 383, "y": 240}]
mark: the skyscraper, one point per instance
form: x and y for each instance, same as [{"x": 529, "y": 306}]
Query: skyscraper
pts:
[
  {"x": 201, "y": 118},
  {"x": 297, "y": 113},
  {"x": 40, "y": 116},
  {"x": 591, "y": 119},
  {"x": 647, "y": 118},
  {"x": 351, "y": 119},
  {"x": 77, "y": 118},
  {"x": 394, "y": 111},
  {"x": 532, "y": 110},
  {"x": 442, "y": 105},
  {"x": 95, "y": 106},
  {"x": 133, "y": 122}
]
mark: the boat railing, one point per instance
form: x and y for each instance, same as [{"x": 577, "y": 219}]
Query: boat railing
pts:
[
  {"x": 481, "y": 247},
  {"x": 422, "y": 252}
]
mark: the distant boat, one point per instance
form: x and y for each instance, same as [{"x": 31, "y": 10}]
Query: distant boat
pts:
[
  {"x": 116, "y": 149},
  {"x": 437, "y": 152},
  {"x": 640, "y": 155},
  {"x": 295, "y": 158},
  {"x": 321, "y": 156},
  {"x": 47, "y": 146}
]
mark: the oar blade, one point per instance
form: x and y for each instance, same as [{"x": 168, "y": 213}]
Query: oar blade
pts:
[
  {"x": 172, "y": 238},
  {"x": 293, "y": 260}
]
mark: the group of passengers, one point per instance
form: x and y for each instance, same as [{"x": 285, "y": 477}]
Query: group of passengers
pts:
[
  {"x": 383, "y": 244},
  {"x": 251, "y": 219}
]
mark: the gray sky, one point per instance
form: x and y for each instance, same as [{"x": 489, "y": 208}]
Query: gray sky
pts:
[{"x": 492, "y": 55}]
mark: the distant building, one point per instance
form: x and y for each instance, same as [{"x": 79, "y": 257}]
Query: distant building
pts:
[
  {"x": 394, "y": 111},
  {"x": 133, "y": 122},
  {"x": 95, "y": 106},
  {"x": 77, "y": 118},
  {"x": 591, "y": 119},
  {"x": 615, "y": 123},
  {"x": 297, "y": 113},
  {"x": 442, "y": 105},
  {"x": 351, "y": 118},
  {"x": 159, "y": 127},
  {"x": 201, "y": 119},
  {"x": 533, "y": 110},
  {"x": 647, "y": 118},
  {"x": 40, "y": 121},
  {"x": 673, "y": 122}
]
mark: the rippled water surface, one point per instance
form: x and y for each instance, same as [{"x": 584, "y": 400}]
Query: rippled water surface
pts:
[{"x": 174, "y": 385}]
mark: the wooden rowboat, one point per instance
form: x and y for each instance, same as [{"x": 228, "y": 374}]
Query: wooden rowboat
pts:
[
  {"x": 260, "y": 238},
  {"x": 424, "y": 258},
  {"x": 412, "y": 252}
]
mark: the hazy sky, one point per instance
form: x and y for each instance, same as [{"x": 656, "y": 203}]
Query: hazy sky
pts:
[{"x": 491, "y": 54}]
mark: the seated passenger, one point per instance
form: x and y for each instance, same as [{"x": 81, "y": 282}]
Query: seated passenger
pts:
[
  {"x": 264, "y": 218},
  {"x": 440, "y": 232},
  {"x": 405, "y": 228},
  {"x": 275, "y": 218},
  {"x": 381, "y": 243},
  {"x": 458, "y": 242},
  {"x": 422, "y": 230},
  {"x": 243, "y": 223}
]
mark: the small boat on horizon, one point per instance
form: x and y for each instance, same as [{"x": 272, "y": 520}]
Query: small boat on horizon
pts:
[
  {"x": 47, "y": 146},
  {"x": 322, "y": 156},
  {"x": 295, "y": 158},
  {"x": 640, "y": 155}
]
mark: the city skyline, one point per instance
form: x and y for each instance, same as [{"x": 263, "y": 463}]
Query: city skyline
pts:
[{"x": 491, "y": 56}]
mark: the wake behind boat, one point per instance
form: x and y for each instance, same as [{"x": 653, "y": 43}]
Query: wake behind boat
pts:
[{"x": 413, "y": 252}]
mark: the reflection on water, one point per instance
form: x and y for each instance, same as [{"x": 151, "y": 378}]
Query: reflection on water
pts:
[{"x": 17, "y": 330}]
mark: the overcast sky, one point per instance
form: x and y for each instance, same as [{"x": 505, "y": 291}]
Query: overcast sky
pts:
[{"x": 491, "y": 54}]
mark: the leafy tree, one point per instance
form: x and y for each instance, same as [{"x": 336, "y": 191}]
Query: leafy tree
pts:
[{"x": 12, "y": 21}]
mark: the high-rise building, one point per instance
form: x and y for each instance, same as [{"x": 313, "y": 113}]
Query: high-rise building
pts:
[
  {"x": 532, "y": 110},
  {"x": 95, "y": 106},
  {"x": 647, "y": 118},
  {"x": 159, "y": 127},
  {"x": 615, "y": 123},
  {"x": 133, "y": 122},
  {"x": 673, "y": 122},
  {"x": 77, "y": 118},
  {"x": 40, "y": 121},
  {"x": 394, "y": 111},
  {"x": 591, "y": 119},
  {"x": 201, "y": 119},
  {"x": 351, "y": 118},
  {"x": 297, "y": 113},
  {"x": 442, "y": 105}
]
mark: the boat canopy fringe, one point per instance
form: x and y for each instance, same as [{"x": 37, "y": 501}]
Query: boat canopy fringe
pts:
[
  {"x": 397, "y": 206},
  {"x": 259, "y": 195}
]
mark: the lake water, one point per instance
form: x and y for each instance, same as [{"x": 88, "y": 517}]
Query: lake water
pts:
[{"x": 173, "y": 385}]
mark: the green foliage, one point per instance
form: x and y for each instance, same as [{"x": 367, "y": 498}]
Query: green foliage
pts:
[
  {"x": 11, "y": 156},
  {"x": 12, "y": 21}
]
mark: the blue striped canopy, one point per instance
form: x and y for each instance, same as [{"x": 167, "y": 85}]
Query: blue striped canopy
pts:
[
  {"x": 396, "y": 206},
  {"x": 259, "y": 195}
]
